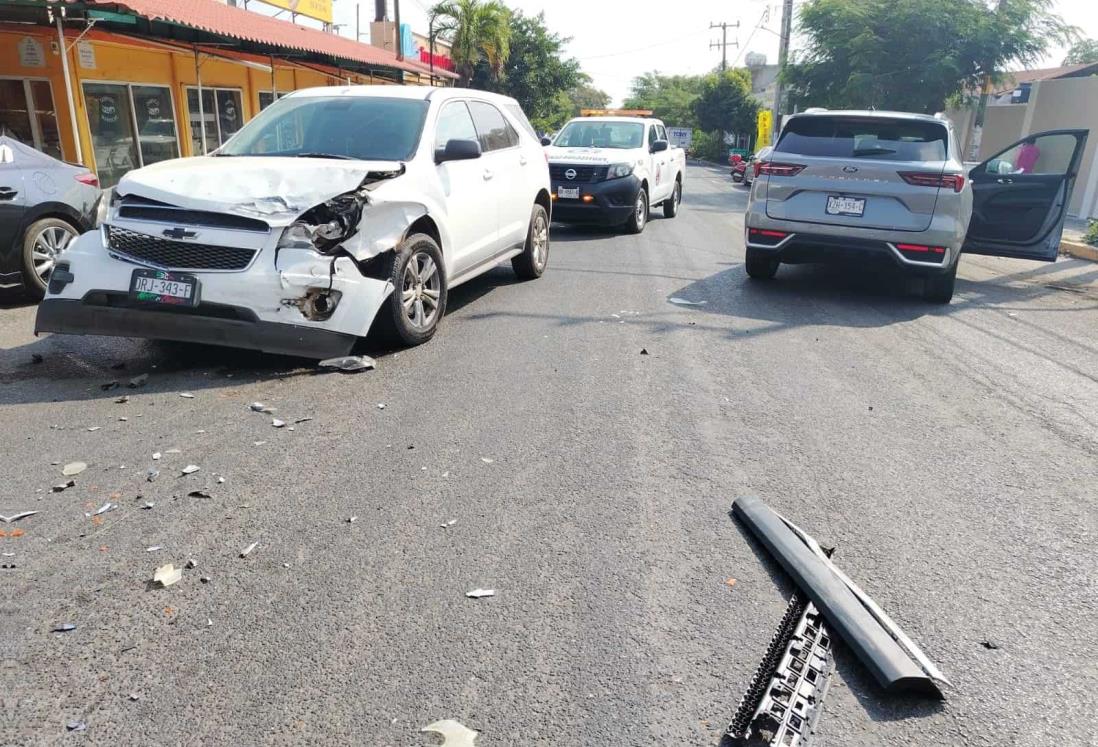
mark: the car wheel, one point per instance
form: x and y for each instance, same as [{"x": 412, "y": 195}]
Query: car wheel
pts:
[
  {"x": 737, "y": 177},
  {"x": 671, "y": 204},
  {"x": 939, "y": 288},
  {"x": 418, "y": 300},
  {"x": 761, "y": 266},
  {"x": 531, "y": 263},
  {"x": 638, "y": 219},
  {"x": 43, "y": 241}
]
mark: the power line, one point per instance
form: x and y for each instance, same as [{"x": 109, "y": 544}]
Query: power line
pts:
[{"x": 723, "y": 43}]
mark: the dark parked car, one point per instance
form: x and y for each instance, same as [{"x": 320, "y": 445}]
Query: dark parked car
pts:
[{"x": 44, "y": 204}]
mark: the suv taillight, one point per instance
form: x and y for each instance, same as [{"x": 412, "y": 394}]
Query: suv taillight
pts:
[
  {"x": 777, "y": 169},
  {"x": 956, "y": 182},
  {"x": 90, "y": 179}
]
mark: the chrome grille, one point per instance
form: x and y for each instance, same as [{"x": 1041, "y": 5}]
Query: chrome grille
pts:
[
  {"x": 176, "y": 255},
  {"x": 583, "y": 173}
]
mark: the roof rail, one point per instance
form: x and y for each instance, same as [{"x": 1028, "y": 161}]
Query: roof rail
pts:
[{"x": 815, "y": 110}]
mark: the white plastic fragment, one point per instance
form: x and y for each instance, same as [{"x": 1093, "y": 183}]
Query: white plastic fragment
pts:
[
  {"x": 166, "y": 575},
  {"x": 108, "y": 506},
  {"x": 156, "y": 455},
  {"x": 154, "y": 548},
  {"x": 63, "y": 628},
  {"x": 94, "y": 428},
  {"x": 349, "y": 363},
  {"x": 16, "y": 517},
  {"x": 478, "y": 593},
  {"x": 278, "y": 423},
  {"x": 247, "y": 550},
  {"x": 186, "y": 395},
  {"x": 76, "y": 725},
  {"x": 381, "y": 405},
  {"x": 684, "y": 302},
  {"x": 352, "y": 519},
  {"x": 454, "y": 733},
  {"x": 220, "y": 480},
  {"x": 73, "y": 468},
  {"x": 449, "y": 523},
  {"x": 486, "y": 460},
  {"x": 190, "y": 469}
]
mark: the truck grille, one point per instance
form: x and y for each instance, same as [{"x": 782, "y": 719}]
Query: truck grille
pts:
[
  {"x": 583, "y": 173},
  {"x": 176, "y": 255}
]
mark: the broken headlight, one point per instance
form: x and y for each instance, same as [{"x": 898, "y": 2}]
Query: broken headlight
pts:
[{"x": 326, "y": 226}]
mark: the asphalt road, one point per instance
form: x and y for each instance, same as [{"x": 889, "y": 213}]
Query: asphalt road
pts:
[{"x": 950, "y": 453}]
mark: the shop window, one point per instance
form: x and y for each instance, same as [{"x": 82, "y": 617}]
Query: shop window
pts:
[
  {"x": 221, "y": 108},
  {"x": 131, "y": 126},
  {"x": 28, "y": 115}
]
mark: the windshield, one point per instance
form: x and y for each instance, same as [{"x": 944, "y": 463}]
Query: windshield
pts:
[
  {"x": 589, "y": 134},
  {"x": 864, "y": 137},
  {"x": 365, "y": 128}
]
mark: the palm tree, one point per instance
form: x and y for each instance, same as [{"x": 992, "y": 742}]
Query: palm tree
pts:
[{"x": 477, "y": 30}]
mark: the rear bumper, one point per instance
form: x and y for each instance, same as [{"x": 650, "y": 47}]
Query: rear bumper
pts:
[
  {"x": 102, "y": 313},
  {"x": 612, "y": 202},
  {"x": 805, "y": 248}
]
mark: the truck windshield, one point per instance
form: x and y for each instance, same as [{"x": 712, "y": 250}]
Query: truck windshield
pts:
[
  {"x": 363, "y": 128},
  {"x": 590, "y": 134}
]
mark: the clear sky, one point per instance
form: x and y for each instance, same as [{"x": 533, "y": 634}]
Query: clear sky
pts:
[{"x": 616, "y": 40}]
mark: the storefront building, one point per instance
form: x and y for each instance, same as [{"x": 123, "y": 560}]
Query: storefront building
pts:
[{"x": 150, "y": 80}]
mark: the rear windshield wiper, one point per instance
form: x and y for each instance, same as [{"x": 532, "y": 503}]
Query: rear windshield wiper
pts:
[
  {"x": 324, "y": 155},
  {"x": 875, "y": 151}
]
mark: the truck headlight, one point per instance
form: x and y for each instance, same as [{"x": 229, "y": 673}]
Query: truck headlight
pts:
[{"x": 618, "y": 170}]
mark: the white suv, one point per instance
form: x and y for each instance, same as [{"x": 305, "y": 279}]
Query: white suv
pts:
[{"x": 330, "y": 207}]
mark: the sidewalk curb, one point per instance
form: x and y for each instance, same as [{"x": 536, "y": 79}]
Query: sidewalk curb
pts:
[{"x": 1079, "y": 250}]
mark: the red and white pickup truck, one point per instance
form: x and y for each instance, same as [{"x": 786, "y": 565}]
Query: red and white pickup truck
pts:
[{"x": 613, "y": 170}]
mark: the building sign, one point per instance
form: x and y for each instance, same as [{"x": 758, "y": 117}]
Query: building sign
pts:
[
  {"x": 680, "y": 137},
  {"x": 408, "y": 46},
  {"x": 318, "y": 9},
  {"x": 766, "y": 128},
  {"x": 31, "y": 53},
  {"x": 85, "y": 53},
  {"x": 440, "y": 61}
]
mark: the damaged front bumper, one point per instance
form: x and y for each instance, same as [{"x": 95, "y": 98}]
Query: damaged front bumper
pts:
[{"x": 289, "y": 301}]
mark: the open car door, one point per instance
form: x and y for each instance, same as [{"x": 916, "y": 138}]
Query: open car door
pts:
[{"x": 1020, "y": 196}]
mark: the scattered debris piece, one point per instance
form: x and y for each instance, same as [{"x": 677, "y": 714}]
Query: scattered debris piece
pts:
[
  {"x": 302, "y": 420},
  {"x": 151, "y": 474},
  {"x": 16, "y": 517},
  {"x": 94, "y": 428},
  {"x": 108, "y": 506},
  {"x": 190, "y": 469},
  {"x": 260, "y": 407},
  {"x": 186, "y": 395},
  {"x": 64, "y": 628},
  {"x": 220, "y": 480},
  {"x": 63, "y": 486},
  {"x": 644, "y": 351},
  {"x": 259, "y": 443},
  {"x": 173, "y": 451},
  {"x": 122, "y": 400},
  {"x": 205, "y": 579},
  {"x": 123, "y": 419},
  {"x": 247, "y": 550},
  {"x": 156, "y": 456},
  {"x": 154, "y": 548},
  {"x": 191, "y": 564},
  {"x": 36, "y": 358},
  {"x": 109, "y": 386},
  {"x": 454, "y": 733},
  {"x": 478, "y": 593},
  {"x": 684, "y": 302},
  {"x": 990, "y": 645},
  {"x": 730, "y": 582},
  {"x": 148, "y": 505},
  {"x": 486, "y": 460},
  {"x": 871, "y": 408},
  {"x": 352, "y": 519},
  {"x": 75, "y": 725},
  {"x": 135, "y": 696},
  {"x": 349, "y": 363},
  {"x": 138, "y": 381},
  {"x": 278, "y": 423},
  {"x": 381, "y": 405},
  {"x": 166, "y": 575},
  {"x": 199, "y": 494},
  {"x": 449, "y": 523},
  {"x": 73, "y": 468}
]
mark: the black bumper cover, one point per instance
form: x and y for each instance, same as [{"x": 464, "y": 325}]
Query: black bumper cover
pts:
[
  {"x": 238, "y": 328},
  {"x": 613, "y": 201},
  {"x": 805, "y": 248}
]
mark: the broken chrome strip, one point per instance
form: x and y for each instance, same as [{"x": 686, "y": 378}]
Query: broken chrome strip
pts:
[{"x": 881, "y": 616}]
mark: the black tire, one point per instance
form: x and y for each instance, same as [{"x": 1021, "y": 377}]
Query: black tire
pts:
[
  {"x": 671, "y": 204},
  {"x": 401, "y": 321},
  {"x": 638, "y": 219},
  {"x": 761, "y": 266},
  {"x": 48, "y": 236},
  {"x": 939, "y": 288},
  {"x": 531, "y": 264}
]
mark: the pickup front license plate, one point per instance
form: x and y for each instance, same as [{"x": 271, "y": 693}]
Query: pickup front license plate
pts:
[
  {"x": 854, "y": 206},
  {"x": 160, "y": 287},
  {"x": 568, "y": 193}
]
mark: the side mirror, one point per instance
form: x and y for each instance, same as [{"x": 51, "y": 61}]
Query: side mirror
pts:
[
  {"x": 458, "y": 150},
  {"x": 546, "y": 141},
  {"x": 660, "y": 146}
]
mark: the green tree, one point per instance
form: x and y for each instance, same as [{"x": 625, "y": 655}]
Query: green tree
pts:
[
  {"x": 913, "y": 55},
  {"x": 585, "y": 96},
  {"x": 725, "y": 103},
  {"x": 670, "y": 97},
  {"x": 477, "y": 31},
  {"x": 1083, "y": 52}
]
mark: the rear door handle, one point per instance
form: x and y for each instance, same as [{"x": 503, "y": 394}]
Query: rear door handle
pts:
[
  {"x": 1003, "y": 180},
  {"x": 488, "y": 174}
]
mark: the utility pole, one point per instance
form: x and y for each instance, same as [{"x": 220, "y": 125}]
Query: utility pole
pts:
[
  {"x": 399, "y": 36},
  {"x": 783, "y": 58},
  {"x": 723, "y": 43}
]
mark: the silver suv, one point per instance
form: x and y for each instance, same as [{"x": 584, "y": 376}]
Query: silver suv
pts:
[{"x": 868, "y": 185}]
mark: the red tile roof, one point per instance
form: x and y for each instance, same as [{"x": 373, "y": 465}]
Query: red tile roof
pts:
[
  {"x": 1013, "y": 80},
  {"x": 237, "y": 23}
]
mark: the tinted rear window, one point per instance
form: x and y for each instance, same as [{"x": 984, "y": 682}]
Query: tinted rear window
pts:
[{"x": 870, "y": 137}]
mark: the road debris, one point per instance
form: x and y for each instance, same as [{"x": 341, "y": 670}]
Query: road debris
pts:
[
  {"x": 684, "y": 302},
  {"x": 94, "y": 428},
  {"x": 454, "y": 733},
  {"x": 730, "y": 582},
  {"x": 349, "y": 363},
  {"x": 352, "y": 519},
  {"x": 138, "y": 381},
  {"x": 260, "y": 407},
  {"x": 303, "y": 420},
  {"x": 73, "y": 468},
  {"x": 186, "y": 395},
  {"x": 204, "y": 579},
  {"x": 76, "y": 725},
  {"x": 147, "y": 505},
  {"x": 16, "y": 517},
  {"x": 63, "y": 486},
  {"x": 154, "y": 548},
  {"x": 190, "y": 469},
  {"x": 247, "y": 550},
  {"x": 989, "y": 645},
  {"x": 156, "y": 456},
  {"x": 173, "y": 451},
  {"x": 168, "y": 574},
  {"x": 278, "y": 423},
  {"x": 449, "y": 523},
  {"x": 191, "y": 564},
  {"x": 36, "y": 358},
  {"x": 151, "y": 474},
  {"x": 199, "y": 494},
  {"x": 122, "y": 400},
  {"x": 644, "y": 351},
  {"x": 381, "y": 405},
  {"x": 220, "y": 480},
  {"x": 258, "y": 443},
  {"x": 479, "y": 593},
  {"x": 109, "y": 386},
  {"x": 108, "y": 506},
  {"x": 487, "y": 460},
  {"x": 135, "y": 696},
  {"x": 63, "y": 628}
]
